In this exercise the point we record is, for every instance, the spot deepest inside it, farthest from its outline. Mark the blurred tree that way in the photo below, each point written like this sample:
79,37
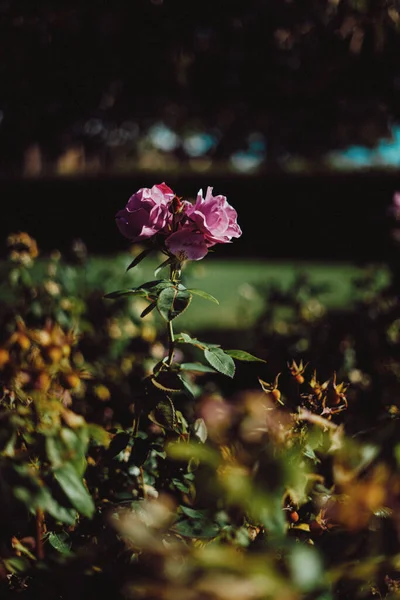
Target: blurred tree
306,76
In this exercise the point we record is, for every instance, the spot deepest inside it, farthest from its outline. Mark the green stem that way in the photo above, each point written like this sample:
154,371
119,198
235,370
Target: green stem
170,343
175,275
175,272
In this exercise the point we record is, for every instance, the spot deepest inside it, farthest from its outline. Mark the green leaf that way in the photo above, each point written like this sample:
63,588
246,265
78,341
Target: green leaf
186,339
54,451
16,565
172,302
148,309
118,443
19,548
221,361
156,286
192,513
203,294
180,486
139,258
69,447
8,438
98,435
140,451
164,415
196,368
188,388
28,489
60,513
73,487
183,424
167,262
200,429
309,452
60,542
130,292
200,528
193,450
245,356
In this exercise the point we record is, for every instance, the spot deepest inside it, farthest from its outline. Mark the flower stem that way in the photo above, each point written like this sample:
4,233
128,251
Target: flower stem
170,343
175,272
175,275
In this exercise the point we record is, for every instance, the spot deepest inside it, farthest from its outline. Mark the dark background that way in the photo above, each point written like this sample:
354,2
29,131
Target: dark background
81,85
309,75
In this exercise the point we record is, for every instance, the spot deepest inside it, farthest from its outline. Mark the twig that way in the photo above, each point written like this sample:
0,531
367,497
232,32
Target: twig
306,415
39,534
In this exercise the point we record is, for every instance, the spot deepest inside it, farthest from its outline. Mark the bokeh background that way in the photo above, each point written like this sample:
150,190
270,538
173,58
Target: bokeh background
291,109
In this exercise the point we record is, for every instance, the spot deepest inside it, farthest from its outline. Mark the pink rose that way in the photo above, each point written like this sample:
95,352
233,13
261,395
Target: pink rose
146,213
187,244
214,217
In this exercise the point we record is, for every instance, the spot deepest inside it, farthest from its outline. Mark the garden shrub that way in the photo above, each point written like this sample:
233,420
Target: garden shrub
130,469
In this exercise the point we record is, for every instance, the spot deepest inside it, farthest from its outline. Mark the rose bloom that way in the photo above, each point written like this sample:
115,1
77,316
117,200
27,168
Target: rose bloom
146,213
187,244
214,217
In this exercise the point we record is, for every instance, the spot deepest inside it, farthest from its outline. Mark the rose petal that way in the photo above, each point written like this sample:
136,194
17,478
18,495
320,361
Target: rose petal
187,244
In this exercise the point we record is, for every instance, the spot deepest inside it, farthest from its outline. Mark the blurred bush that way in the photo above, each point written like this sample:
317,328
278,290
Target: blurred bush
280,483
